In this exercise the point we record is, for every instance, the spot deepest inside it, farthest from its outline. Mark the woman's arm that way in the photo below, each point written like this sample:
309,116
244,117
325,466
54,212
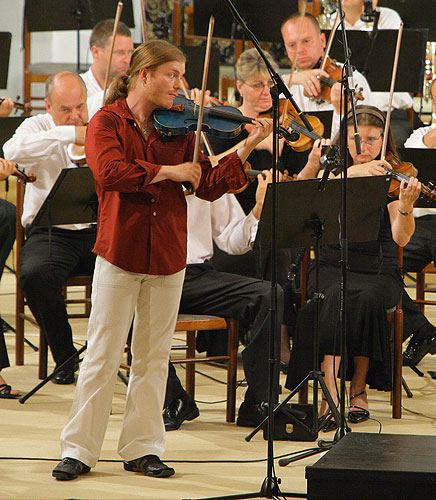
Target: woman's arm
401,212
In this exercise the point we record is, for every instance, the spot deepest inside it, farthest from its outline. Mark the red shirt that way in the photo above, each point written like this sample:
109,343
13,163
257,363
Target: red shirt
142,226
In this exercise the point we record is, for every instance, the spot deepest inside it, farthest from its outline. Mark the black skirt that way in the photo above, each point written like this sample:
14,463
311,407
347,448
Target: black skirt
369,296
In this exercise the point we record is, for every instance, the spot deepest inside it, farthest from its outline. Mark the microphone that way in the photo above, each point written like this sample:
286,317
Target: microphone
368,14
328,161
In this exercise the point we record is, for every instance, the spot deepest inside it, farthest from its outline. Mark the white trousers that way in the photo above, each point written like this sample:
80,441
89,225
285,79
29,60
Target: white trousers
117,296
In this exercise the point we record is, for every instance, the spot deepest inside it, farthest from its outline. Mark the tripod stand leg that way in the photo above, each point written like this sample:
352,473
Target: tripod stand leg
9,328
54,372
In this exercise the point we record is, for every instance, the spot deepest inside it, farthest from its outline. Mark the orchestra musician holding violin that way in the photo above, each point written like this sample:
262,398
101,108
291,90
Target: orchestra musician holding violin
141,257
313,88
48,258
374,283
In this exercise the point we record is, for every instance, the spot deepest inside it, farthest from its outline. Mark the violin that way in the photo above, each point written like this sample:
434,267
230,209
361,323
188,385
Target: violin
222,121
26,107
403,170
22,176
335,74
252,175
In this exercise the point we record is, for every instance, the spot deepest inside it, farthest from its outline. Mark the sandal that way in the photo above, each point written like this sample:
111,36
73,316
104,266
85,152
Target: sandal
327,424
359,415
5,392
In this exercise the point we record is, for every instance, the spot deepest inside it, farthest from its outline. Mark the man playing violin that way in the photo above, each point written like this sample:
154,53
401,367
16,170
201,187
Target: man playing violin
39,146
420,251
100,44
306,86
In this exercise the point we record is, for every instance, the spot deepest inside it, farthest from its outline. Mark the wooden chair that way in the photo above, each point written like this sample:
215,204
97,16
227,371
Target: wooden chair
395,320
21,314
422,288
192,324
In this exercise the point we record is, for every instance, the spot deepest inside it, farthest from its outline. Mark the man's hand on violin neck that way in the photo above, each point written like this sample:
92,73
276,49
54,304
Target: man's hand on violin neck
309,78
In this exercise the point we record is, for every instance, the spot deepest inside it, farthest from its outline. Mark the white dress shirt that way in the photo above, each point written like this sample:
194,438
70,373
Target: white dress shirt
416,141
40,147
92,86
222,221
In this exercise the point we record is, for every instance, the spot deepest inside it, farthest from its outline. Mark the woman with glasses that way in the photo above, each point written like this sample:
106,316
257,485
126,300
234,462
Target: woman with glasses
374,283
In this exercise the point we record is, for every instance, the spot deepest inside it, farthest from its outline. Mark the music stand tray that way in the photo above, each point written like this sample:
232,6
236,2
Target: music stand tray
300,202
72,200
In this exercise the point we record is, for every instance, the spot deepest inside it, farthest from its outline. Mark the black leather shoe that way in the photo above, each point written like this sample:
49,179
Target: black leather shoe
417,348
66,376
178,411
150,465
250,414
69,469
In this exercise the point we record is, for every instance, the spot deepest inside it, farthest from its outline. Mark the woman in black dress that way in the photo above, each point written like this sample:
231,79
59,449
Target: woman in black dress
374,283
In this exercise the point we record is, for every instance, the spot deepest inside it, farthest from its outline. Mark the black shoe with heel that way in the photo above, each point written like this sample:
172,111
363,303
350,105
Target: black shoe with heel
359,415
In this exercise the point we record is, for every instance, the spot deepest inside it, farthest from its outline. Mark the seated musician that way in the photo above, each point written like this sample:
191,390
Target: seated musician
420,251
306,86
208,291
6,392
48,258
253,83
374,284
100,43
389,20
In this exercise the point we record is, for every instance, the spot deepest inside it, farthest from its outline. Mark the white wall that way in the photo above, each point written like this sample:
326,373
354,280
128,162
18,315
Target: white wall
54,46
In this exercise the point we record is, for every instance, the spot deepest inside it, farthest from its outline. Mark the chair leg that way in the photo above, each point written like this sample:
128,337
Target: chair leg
42,368
397,364
190,367
232,349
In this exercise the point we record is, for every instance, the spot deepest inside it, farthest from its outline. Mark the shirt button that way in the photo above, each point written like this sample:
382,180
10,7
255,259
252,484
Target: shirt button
153,200
154,214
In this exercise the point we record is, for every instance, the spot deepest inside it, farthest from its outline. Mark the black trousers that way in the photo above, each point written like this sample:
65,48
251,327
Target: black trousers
46,263
4,360
207,291
420,251
7,231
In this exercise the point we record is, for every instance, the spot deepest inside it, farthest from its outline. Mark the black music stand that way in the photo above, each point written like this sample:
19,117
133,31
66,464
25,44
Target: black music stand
52,15
308,216
72,200
5,49
264,18
194,67
410,72
425,161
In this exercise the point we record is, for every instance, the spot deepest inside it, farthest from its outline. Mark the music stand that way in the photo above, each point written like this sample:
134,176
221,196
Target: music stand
420,14
194,67
312,218
5,49
73,15
72,200
410,72
264,18
424,160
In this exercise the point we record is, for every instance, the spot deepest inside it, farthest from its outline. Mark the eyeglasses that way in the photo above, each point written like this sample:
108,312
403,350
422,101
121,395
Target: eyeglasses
370,141
122,53
260,85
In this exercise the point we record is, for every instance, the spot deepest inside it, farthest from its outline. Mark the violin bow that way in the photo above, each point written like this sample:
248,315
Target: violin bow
114,32
330,41
144,21
203,89
391,92
294,63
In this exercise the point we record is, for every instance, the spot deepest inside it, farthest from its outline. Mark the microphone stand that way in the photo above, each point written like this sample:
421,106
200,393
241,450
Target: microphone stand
372,36
348,92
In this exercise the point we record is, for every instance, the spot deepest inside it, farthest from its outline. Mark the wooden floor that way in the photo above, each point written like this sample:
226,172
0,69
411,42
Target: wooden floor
211,457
